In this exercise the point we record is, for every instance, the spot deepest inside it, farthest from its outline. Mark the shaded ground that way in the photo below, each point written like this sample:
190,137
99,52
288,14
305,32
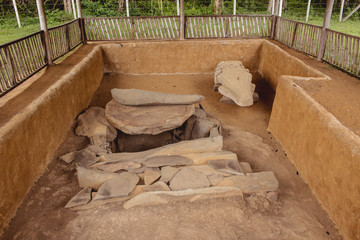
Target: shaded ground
296,214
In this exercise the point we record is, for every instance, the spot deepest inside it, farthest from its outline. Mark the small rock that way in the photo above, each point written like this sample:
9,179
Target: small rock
167,173
256,97
117,166
202,128
272,196
227,100
188,178
189,126
93,178
151,176
119,186
215,179
69,157
172,160
226,165
134,97
199,113
253,182
158,186
81,198
97,150
214,132
245,166
85,158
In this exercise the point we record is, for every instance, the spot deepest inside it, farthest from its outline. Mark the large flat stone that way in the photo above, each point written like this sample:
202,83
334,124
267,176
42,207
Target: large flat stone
167,173
233,80
93,178
93,123
253,182
117,166
119,186
136,97
166,160
226,165
85,158
81,198
151,176
203,145
158,186
164,197
202,128
147,119
188,178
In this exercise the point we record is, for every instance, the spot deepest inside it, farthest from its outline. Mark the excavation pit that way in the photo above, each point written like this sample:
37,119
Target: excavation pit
186,68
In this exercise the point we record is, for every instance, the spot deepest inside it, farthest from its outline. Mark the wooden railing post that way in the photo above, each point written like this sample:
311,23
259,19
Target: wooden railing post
273,26
294,35
43,26
10,64
227,27
182,20
82,30
323,38
67,36
132,28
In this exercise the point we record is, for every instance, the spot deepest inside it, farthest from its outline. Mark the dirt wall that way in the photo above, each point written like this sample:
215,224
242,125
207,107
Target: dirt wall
29,138
179,56
324,151
275,62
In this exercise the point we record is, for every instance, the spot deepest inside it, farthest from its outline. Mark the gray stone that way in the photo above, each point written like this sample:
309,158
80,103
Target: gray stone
151,176
93,122
199,113
214,132
253,182
97,150
233,80
147,119
189,126
85,158
202,128
188,178
204,145
69,157
135,97
93,178
167,173
158,186
226,165
143,169
117,166
119,186
207,170
215,179
166,160
191,195
245,166
81,198
202,158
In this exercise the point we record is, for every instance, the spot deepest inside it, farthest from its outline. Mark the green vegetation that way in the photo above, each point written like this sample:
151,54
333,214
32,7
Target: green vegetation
56,14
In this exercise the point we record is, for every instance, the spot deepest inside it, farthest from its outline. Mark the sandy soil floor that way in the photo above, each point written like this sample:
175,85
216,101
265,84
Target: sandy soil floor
295,215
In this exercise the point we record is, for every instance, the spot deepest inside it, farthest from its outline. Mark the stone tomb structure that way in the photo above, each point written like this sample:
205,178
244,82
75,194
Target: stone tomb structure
188,159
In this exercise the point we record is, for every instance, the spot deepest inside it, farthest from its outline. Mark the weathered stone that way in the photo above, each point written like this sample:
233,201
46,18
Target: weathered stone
136,97
166,160
188,178
167,173
233,80
137,190
97,150
93,178
158,186
228,100
245,166
253,182
199,113
272,196
69,157
142,142
100,141
85,158
117,166
119,186
81,198
215,179
256,97
93,122
143,169
214,132
151,176
207,170
164,197
226,165
202,158
203,145
189,126
202,128
147,119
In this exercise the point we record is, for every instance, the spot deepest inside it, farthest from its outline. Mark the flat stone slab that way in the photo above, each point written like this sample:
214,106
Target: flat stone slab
166,160
226,165
233,80
158,186
150,176
167,173
119,186
253,182
81,198
69,157
147,119
191,195
117,166
85,158
188,178
93,178
136,97
93,123
202,128
205,146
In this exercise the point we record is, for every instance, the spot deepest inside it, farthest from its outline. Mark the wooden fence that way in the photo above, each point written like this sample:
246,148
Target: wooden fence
239,26
22,58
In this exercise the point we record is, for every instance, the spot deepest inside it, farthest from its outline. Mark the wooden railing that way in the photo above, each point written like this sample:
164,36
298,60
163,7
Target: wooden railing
239,26
343,51
22,58
132,28
64,38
